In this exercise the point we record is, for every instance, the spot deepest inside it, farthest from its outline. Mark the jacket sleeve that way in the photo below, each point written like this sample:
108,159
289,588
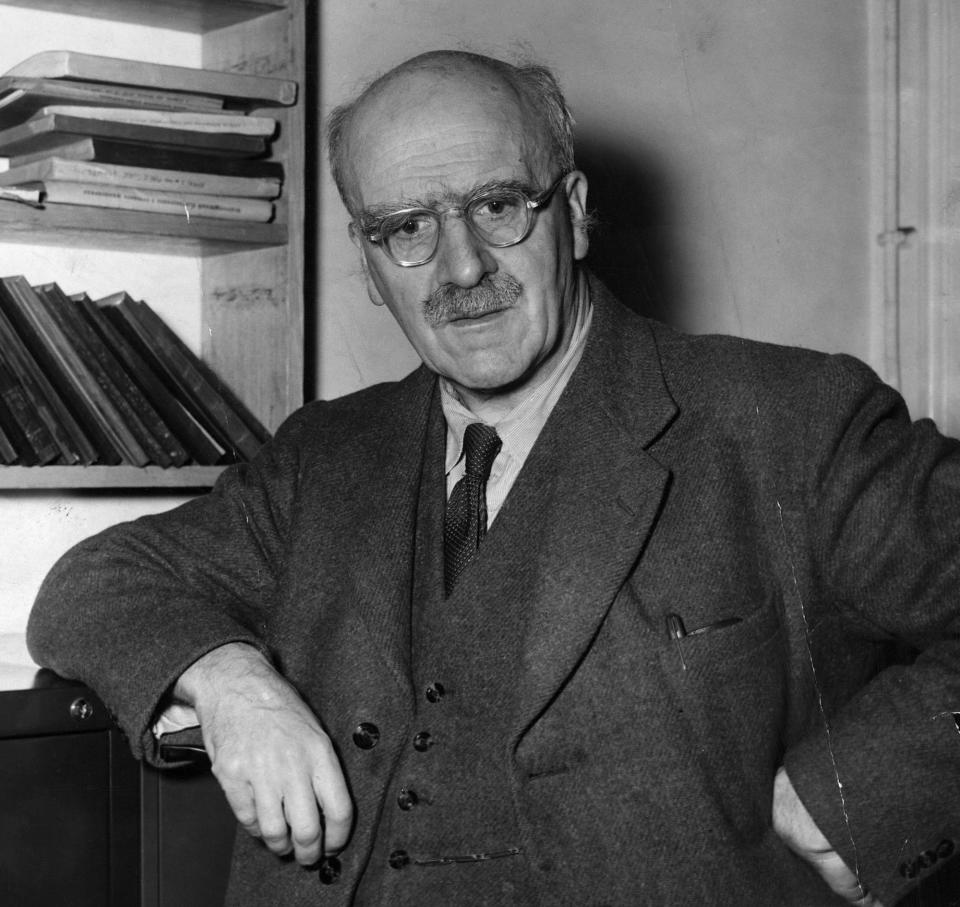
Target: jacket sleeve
881,526
128,610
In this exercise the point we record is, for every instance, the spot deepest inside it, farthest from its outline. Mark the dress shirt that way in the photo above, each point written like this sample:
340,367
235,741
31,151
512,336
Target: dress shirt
520,428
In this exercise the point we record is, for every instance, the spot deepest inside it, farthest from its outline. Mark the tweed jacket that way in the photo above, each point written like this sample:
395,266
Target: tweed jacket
729,556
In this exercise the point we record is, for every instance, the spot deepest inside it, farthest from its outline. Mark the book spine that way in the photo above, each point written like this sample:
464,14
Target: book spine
172,452
147,179
217,416
137,414
23,452
105,94
41,132
107,320
8,451
215,207
74,443
158,157
135,443
97,68
101,416
38,437
234,123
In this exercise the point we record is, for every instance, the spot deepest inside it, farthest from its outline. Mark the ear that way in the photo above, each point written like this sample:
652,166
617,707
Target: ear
372,290
576,192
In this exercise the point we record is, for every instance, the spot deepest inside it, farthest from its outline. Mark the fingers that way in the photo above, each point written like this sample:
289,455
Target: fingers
799,831
275,763
337,809
291,809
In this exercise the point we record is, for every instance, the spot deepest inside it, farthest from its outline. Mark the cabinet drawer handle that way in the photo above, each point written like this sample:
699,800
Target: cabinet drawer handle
81,710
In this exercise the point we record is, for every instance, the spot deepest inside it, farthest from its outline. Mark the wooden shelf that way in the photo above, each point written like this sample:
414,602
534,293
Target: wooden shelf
39,478
196,16
250,297
163,234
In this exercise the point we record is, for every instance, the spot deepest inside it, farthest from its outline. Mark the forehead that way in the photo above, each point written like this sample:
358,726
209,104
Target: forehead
429,135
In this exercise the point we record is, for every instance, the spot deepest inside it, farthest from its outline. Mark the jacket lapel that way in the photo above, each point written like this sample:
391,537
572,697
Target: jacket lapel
605,496
384,573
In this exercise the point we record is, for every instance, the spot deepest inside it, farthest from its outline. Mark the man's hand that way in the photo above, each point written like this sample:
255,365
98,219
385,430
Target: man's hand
800,833
274,762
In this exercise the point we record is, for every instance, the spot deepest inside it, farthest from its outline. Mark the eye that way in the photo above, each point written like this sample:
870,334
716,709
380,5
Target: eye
497,207
408,226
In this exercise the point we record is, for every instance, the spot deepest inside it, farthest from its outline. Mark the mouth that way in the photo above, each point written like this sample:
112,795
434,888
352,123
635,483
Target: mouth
477,316
451,304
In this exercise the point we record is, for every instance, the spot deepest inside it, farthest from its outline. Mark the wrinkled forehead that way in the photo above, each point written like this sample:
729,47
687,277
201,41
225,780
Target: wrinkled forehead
436,133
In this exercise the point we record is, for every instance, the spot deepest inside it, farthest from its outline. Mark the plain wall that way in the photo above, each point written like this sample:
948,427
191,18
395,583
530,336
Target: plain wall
727,147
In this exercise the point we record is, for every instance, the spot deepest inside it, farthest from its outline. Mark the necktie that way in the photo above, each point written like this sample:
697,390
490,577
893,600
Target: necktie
465,519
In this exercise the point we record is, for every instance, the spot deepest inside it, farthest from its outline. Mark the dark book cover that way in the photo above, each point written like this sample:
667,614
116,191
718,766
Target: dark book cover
35,433
204,446
68,372
192,441
53,408
43,132
9,453
104,151
165,352
141,418
23,452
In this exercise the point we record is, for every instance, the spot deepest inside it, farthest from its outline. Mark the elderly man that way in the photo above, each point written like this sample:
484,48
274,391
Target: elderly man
583,611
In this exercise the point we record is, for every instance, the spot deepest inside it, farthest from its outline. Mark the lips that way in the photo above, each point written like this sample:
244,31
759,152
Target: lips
475,316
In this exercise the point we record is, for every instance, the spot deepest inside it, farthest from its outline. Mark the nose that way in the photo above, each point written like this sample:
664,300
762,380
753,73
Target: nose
462,258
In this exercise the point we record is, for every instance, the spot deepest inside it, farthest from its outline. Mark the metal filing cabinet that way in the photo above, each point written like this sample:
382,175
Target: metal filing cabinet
83,823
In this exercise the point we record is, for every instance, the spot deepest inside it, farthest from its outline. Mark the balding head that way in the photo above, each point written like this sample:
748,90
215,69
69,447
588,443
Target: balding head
445,81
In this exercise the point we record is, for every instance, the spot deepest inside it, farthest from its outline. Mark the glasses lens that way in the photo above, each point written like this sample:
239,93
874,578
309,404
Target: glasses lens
411,237
499,217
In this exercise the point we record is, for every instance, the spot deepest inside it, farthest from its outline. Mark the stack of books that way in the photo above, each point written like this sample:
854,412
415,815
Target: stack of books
82,129
108,382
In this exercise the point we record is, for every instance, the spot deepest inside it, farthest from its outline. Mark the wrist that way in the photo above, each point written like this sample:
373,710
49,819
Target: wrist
220,670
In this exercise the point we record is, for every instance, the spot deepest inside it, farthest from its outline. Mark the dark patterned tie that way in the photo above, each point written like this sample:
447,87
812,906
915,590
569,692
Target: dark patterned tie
465,519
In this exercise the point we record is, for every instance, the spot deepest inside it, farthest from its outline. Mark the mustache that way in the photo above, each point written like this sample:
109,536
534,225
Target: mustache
495,291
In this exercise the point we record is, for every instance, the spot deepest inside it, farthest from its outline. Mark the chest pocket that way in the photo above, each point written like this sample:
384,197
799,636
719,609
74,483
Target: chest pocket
721,642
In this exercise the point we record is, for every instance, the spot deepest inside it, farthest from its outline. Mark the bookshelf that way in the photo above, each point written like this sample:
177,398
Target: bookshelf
251,274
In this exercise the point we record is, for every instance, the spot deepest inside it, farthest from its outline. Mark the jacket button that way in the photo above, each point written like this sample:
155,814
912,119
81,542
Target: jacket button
398,859
422,741
407,799
945,848
366,735
435,691
329,870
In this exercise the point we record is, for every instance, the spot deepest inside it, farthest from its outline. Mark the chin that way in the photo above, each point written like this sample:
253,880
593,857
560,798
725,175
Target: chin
493,382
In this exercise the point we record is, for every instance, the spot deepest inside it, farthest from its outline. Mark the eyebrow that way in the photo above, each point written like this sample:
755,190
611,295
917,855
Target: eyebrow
378,212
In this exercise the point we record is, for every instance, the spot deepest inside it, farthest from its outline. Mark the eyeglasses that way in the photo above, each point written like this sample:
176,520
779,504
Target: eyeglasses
499,216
